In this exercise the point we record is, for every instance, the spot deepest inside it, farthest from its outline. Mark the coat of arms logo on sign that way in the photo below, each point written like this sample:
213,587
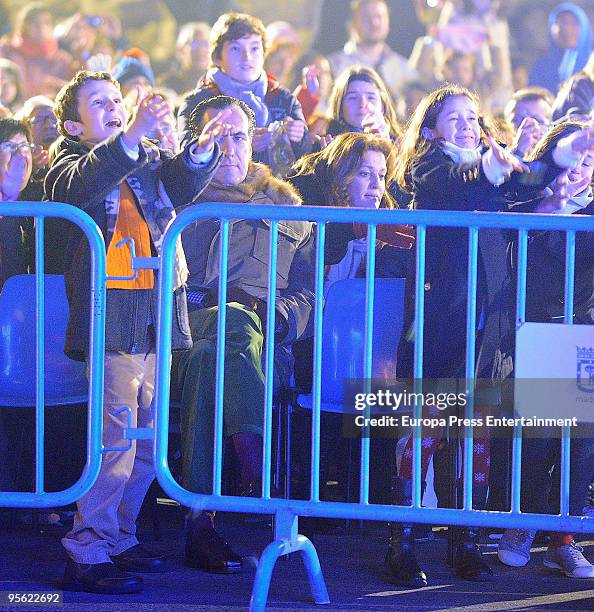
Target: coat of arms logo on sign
585,369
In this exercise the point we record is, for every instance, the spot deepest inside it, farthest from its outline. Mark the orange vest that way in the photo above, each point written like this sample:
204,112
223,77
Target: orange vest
129,223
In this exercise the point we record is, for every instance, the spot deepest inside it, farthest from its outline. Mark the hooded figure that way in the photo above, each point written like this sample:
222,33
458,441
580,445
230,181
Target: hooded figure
571,44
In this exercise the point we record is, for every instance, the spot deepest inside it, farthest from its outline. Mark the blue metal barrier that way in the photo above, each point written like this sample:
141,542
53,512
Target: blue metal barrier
287,510
40,498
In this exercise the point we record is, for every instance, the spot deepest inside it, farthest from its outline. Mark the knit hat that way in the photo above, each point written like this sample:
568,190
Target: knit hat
129,67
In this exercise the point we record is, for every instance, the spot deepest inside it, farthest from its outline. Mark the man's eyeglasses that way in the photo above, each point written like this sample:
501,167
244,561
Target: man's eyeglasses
12,147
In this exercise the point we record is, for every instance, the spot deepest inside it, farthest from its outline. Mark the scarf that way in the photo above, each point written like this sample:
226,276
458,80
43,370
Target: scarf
349,265
251,93
567,64
157,211
460,155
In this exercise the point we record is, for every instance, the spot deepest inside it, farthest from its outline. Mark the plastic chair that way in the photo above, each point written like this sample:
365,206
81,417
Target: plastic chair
343,344
343,337
65,379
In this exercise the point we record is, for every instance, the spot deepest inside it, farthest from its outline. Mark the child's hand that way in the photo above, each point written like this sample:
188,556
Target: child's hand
528,134
262,139
151,110
560,196
505,158
214,129
564,189
323,140
294,129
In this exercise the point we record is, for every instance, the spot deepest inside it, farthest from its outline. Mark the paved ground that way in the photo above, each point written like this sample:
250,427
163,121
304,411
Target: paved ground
32,559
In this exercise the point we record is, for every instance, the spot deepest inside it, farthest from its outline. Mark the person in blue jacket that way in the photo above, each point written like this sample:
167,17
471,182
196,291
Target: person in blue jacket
571,44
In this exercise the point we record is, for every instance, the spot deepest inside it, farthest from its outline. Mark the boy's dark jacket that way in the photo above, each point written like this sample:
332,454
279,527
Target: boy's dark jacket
85,178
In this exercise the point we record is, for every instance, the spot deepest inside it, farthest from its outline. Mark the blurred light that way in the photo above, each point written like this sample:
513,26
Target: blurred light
432,3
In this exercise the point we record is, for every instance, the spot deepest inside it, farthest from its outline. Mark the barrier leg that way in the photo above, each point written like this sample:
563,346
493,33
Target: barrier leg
314,571
286,540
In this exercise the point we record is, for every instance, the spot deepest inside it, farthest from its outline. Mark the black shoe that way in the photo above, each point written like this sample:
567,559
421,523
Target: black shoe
469,562
139,559
103,578
206,550
400,559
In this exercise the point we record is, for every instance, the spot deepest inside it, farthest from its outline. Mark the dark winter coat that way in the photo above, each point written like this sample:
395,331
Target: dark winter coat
86,177
248,250
439,183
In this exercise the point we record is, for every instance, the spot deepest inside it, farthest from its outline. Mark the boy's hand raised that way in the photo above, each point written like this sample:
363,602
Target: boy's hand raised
505,158
150,111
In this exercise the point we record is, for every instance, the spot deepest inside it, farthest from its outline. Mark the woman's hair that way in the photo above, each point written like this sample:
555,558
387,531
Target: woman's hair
362,73
552,137
337,164
413,144
9,127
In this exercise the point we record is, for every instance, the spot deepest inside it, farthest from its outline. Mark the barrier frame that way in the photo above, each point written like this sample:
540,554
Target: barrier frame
40,211
286,511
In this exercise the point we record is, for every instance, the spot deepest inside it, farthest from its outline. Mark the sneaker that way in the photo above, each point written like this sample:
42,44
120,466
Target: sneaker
570,560
514,547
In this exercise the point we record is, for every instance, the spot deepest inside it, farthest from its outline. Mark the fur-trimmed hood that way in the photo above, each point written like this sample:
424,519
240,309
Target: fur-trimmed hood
259,187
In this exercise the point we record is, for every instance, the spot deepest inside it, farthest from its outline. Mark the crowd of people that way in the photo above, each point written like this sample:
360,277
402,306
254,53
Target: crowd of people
88,121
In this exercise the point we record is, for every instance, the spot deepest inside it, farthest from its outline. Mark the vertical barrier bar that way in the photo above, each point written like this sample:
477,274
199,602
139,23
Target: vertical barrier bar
470,364
516,482
40,359
367,360
569,277
163,354
317,364
568,320
269,359
522,267
418,361
220,375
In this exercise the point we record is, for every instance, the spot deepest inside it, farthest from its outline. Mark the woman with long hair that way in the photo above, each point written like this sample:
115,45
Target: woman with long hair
354,170
360,102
